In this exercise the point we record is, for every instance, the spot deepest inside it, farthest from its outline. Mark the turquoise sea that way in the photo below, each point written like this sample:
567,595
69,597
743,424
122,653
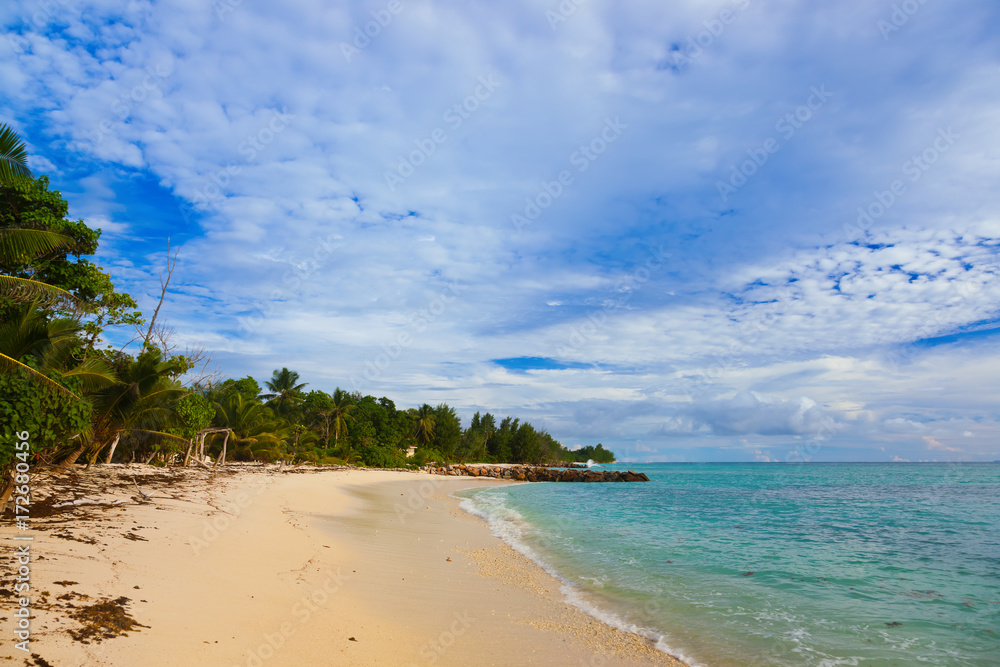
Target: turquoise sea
776,564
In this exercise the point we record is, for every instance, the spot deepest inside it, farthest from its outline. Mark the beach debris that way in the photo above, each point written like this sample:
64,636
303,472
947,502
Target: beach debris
351,639
40,661
448,559
145,496
104,620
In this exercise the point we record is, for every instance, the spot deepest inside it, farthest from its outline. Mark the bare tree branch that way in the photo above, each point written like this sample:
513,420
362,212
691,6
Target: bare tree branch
164,284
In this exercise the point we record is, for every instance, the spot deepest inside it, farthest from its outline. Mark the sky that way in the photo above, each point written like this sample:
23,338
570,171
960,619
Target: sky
726,230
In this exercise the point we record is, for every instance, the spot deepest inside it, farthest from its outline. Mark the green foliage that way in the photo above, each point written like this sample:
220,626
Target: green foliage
500,445
447,430
423,423
258,434
286,390
50,417
31,205
13,156
247,388
379,455
195,412
525,446
425,455
590,453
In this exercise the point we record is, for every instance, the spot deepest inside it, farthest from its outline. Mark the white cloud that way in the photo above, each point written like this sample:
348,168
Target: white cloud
766,319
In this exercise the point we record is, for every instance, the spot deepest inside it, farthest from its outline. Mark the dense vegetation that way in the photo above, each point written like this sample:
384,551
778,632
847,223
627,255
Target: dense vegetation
79,400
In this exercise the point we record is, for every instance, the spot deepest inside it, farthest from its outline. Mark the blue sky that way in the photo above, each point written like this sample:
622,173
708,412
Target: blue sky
730,230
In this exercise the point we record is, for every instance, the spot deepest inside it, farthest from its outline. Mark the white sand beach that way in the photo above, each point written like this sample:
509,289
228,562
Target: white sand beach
251,568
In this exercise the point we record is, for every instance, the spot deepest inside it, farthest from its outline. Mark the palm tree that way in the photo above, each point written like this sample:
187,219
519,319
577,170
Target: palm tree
13,156
423,423
257,434
31,341
285,391
141,401
340,413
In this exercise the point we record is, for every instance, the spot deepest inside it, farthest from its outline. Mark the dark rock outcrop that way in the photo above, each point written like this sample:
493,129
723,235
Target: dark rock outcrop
538,473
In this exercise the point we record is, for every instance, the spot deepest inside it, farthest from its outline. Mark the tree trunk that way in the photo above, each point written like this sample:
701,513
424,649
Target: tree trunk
187,454
149,458
73,456
114,445
8,490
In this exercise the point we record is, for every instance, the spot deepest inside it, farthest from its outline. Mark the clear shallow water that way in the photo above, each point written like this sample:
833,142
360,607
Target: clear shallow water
852,564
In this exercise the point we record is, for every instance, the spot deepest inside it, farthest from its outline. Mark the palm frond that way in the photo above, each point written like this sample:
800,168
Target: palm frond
24,290
18,242
93,374
169,436
10,364
13,156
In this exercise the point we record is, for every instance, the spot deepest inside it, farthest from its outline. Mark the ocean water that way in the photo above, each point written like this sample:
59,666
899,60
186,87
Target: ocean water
775,564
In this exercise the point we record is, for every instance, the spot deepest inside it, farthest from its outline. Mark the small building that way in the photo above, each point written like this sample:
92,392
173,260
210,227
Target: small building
411,450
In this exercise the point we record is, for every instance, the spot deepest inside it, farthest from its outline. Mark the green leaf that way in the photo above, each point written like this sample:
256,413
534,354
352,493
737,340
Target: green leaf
13,156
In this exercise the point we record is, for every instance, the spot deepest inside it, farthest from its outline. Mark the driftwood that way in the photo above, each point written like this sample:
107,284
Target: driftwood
201,446
222,456
202,463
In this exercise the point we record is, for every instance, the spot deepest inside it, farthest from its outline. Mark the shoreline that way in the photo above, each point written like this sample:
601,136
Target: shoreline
314,566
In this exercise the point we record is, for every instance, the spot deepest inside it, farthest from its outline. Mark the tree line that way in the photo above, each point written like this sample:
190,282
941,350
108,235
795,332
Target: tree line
85,402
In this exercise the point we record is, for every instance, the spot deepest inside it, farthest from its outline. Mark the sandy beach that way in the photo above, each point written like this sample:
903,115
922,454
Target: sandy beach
260,567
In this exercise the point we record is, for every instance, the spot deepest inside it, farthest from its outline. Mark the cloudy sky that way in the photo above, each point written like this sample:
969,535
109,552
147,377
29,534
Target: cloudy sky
693,231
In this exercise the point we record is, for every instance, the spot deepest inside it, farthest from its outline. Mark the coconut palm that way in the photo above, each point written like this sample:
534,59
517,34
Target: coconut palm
423,423
257,433
141,401
13,156
286,390
340,413
31,342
